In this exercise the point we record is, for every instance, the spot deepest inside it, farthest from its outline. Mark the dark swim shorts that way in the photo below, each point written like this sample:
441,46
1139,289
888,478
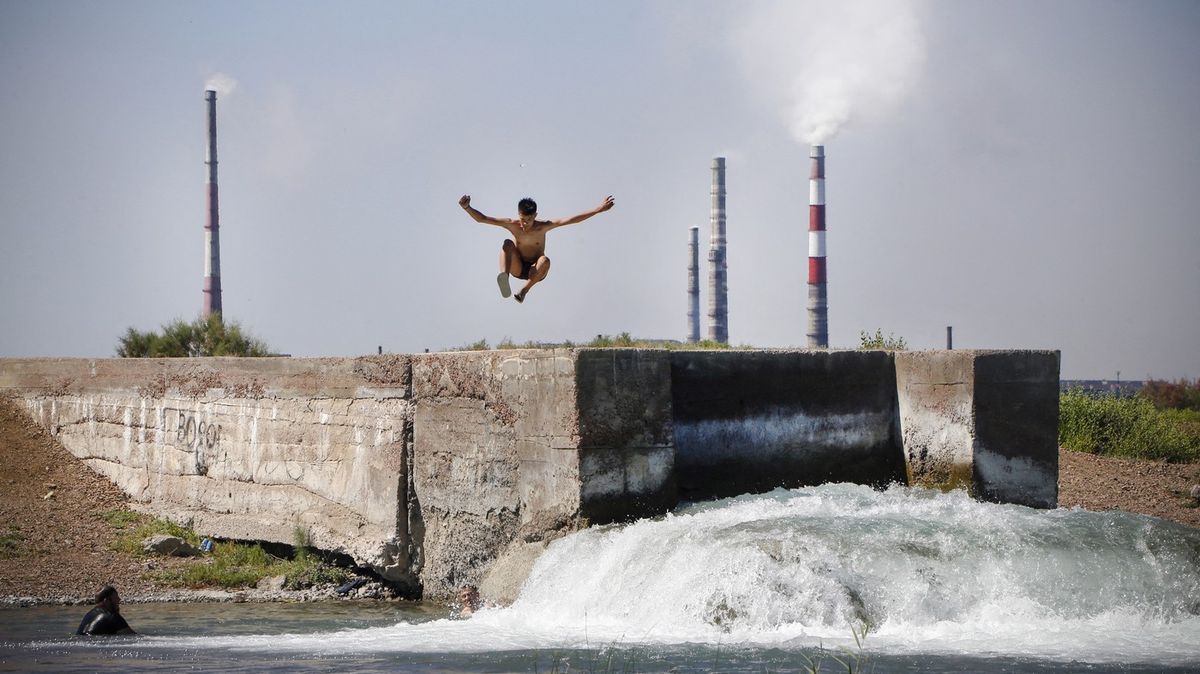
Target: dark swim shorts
526,267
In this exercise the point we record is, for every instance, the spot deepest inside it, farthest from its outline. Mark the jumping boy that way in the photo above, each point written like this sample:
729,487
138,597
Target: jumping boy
524,255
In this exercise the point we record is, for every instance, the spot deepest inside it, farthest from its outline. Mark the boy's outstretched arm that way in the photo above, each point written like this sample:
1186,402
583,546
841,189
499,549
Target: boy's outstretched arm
465,202
604,206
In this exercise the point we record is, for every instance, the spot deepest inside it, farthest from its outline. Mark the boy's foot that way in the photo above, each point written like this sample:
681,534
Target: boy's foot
502,281
520,297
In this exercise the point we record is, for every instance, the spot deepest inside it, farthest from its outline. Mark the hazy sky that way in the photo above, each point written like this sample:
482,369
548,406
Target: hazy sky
1027,172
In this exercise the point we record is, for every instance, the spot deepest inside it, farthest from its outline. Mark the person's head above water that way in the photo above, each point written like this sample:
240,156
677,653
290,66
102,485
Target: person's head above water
527,207
468,596
109,599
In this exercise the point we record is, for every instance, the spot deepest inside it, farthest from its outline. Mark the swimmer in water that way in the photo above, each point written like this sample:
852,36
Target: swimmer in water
468,596
524,255
105,617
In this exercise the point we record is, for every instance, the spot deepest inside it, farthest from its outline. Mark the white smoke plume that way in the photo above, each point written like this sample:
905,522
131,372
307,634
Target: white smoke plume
828,64
221,83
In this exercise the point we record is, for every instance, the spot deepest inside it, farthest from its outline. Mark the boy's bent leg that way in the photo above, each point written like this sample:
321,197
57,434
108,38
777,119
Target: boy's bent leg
536,275
508,255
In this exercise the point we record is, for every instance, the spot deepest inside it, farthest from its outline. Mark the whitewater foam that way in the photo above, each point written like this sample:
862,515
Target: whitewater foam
925,571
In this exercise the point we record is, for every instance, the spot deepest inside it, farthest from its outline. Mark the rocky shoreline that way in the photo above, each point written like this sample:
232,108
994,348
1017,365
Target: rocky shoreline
371,591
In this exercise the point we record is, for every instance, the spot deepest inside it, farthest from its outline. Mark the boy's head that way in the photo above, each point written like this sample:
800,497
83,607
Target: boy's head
527,207
108,598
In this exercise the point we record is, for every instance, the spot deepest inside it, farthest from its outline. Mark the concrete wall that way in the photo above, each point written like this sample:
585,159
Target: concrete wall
750,421
514,447
443,469
252,448
983,420
425,468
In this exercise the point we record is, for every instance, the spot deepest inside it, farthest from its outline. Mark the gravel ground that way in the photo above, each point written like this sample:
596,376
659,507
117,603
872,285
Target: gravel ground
51,505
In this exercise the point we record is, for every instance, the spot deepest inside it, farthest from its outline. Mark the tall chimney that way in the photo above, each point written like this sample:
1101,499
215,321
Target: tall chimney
718,286
212,239
818,308
694,284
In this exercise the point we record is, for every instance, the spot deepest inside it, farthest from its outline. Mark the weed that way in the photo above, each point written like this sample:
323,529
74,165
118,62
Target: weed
301,537
12,544
120,519
878,341
481,345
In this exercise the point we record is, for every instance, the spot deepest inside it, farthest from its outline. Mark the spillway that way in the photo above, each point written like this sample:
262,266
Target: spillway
931,575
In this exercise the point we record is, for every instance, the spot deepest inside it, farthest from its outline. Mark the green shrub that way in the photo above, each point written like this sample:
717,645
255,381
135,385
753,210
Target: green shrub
1128,427
210,336
878,341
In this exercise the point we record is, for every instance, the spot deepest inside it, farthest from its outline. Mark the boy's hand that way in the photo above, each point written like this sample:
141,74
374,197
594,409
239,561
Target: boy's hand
465,202
608,203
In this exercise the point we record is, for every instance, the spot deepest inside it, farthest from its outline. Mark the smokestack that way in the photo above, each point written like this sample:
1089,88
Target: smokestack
694,284
818,308
718,286
212,239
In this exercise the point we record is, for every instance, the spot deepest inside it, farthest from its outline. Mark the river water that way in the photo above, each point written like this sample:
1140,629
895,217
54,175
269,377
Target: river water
755,583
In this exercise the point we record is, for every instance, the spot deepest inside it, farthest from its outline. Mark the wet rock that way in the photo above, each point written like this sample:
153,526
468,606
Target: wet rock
169,545
271,583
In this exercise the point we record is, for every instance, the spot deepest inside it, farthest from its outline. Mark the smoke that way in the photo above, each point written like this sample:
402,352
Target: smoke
221,83
827,65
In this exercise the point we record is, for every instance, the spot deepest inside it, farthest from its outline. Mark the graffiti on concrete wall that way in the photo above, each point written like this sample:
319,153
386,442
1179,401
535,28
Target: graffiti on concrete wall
200,437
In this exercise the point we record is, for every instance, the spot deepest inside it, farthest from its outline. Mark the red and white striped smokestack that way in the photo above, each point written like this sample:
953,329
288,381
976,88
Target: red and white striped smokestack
212,239
818,307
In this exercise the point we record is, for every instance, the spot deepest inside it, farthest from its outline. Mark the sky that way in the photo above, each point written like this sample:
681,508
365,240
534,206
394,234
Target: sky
1026,172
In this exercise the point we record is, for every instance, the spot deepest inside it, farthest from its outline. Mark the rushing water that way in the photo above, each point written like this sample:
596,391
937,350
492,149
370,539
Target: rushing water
754,583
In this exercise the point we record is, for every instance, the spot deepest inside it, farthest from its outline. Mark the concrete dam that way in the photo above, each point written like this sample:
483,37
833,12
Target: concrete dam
441,469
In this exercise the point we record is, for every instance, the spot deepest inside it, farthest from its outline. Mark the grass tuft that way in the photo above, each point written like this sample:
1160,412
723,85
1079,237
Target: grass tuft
239,565
12,544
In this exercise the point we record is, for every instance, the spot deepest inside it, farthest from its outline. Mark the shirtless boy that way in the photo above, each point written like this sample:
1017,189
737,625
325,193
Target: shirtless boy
524,255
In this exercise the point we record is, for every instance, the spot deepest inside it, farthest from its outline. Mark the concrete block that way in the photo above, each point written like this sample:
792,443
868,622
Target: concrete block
986,421
937,421
1016,427
752,421
626,454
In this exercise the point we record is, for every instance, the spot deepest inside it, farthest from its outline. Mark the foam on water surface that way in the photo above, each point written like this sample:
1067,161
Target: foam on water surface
925,571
